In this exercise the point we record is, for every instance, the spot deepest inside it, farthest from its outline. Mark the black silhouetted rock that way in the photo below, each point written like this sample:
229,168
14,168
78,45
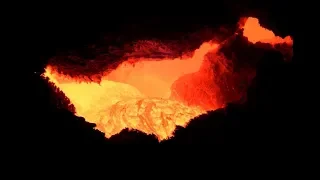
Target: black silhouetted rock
127,136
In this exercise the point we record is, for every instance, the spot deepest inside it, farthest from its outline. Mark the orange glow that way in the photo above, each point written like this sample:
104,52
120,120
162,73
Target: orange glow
149,95
256,33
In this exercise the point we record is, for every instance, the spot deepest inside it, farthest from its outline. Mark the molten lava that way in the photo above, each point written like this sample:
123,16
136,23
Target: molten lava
134,96
141,95
256,33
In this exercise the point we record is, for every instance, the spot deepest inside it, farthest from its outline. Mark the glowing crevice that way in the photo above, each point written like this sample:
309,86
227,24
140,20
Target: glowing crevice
139,96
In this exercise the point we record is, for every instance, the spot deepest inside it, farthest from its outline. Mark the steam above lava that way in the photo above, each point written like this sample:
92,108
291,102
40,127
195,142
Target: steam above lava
154,95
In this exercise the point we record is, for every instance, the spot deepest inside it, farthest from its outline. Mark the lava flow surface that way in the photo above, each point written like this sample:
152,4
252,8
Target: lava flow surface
154,95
